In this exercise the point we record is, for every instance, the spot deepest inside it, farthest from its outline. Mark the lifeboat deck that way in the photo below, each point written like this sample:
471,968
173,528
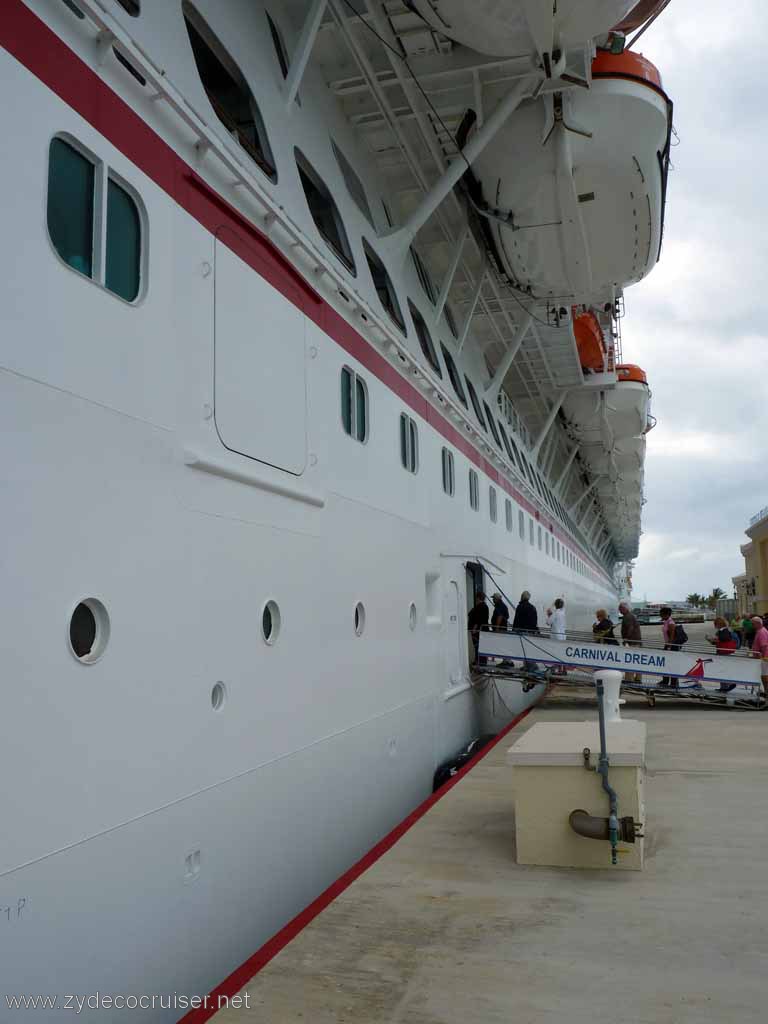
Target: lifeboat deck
446,927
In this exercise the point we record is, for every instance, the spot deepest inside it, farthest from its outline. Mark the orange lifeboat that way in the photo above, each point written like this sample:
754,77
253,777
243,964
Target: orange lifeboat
589,341
629,65
628,371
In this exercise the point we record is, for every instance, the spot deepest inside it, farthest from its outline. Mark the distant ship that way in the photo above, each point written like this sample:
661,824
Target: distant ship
311,332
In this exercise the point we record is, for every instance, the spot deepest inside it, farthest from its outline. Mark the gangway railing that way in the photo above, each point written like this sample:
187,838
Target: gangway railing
693,661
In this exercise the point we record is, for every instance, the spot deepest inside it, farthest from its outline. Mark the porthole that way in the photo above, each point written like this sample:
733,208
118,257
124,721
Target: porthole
413,617
270,622
89,631
218,696
359,618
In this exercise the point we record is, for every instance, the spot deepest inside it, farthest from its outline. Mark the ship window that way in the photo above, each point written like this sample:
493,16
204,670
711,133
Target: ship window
453,373
228,92
474,490
492,506
505,439
133,7
425,340
123,257
492,425
409,444
424,276
521,524
89,631
384,287
128,66
354,405
70,205
280,49
74,8
508,513
353,183
530,531
76,190
449,485
450,319
546,543
475,402
324,212
539,538
270,622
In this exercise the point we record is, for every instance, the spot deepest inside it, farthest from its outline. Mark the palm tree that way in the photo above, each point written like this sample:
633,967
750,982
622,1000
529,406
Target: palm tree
695,599
714,597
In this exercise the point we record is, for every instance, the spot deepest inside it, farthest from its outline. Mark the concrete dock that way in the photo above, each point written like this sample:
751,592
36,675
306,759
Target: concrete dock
446,928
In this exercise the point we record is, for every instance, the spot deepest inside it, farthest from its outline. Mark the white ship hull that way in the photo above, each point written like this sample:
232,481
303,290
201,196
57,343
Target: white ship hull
153,841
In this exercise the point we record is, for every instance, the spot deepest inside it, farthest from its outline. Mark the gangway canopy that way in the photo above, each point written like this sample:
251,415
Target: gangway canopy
579,653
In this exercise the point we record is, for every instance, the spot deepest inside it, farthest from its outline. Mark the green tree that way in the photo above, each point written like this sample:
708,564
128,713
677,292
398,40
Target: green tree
714,597
695,599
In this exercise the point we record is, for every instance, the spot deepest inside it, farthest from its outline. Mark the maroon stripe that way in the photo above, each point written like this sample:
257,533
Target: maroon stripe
27,38
243,974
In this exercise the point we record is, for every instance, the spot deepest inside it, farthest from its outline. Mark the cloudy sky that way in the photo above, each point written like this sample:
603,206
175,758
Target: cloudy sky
698,324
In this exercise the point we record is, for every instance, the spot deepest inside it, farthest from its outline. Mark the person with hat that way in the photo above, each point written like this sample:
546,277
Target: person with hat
500,616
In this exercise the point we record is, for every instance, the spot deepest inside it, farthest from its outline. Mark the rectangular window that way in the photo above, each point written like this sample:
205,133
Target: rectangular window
546,543
508,512
492,509
409,444
354,405
540,539
521,524
530,531
353,183
448,475
93,222
474,490
558,552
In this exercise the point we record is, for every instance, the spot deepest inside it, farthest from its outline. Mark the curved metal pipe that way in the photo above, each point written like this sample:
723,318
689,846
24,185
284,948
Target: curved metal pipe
592,827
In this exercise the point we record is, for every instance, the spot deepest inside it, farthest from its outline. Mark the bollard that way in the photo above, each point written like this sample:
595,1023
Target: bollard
611,680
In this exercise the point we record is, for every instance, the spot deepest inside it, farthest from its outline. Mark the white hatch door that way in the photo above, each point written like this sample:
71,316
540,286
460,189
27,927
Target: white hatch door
260,368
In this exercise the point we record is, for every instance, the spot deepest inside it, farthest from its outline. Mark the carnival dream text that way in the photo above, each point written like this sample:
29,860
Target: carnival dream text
616,657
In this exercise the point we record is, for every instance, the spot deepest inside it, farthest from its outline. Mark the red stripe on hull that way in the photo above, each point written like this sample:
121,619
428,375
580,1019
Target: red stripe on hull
27,38
240,977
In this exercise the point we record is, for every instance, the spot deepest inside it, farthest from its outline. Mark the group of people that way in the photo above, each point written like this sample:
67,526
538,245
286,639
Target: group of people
525,620
749,631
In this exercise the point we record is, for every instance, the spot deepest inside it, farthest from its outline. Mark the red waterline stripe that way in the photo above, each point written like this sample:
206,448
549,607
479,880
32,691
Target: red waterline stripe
247,971
27,38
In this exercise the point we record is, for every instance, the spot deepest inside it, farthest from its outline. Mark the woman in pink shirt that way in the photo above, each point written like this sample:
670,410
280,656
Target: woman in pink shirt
760,650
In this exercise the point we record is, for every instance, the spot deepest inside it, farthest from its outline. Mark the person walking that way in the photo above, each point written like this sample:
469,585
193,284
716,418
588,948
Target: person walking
476,620
500,617
603,628
631,636
557,628
760,650
668,627
725,643
526,617
747,632
736,629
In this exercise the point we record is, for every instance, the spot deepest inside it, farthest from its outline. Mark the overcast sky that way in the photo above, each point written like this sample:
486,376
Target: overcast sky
698,323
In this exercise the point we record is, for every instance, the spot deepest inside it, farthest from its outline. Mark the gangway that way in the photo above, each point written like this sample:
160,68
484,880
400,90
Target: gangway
692,672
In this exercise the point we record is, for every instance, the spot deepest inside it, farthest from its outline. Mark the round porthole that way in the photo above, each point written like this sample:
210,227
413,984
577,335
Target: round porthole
270,622
359,618
89,631
412,616
218,696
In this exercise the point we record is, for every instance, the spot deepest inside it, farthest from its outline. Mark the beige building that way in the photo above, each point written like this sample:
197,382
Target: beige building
751,586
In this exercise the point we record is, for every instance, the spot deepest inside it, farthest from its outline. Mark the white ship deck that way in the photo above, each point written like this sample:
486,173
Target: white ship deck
447,928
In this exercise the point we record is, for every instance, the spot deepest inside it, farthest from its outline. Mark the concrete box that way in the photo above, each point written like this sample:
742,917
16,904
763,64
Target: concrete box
550,781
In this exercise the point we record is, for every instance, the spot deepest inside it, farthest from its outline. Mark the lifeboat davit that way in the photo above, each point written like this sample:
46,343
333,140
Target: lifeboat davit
506,28
580,188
